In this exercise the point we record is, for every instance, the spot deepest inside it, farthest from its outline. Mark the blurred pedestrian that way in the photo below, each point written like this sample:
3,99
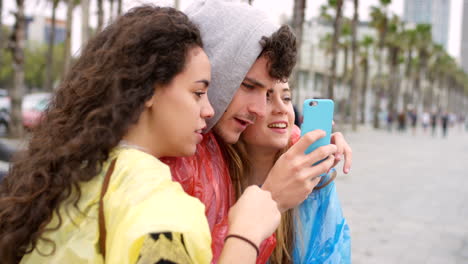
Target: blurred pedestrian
425,119
401,121
390,119
434,123
445,119
413,115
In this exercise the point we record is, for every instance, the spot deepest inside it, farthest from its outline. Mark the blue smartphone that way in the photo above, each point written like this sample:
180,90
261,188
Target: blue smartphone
318,114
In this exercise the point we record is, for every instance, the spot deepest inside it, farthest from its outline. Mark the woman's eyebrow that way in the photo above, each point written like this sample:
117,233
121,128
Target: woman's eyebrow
205,82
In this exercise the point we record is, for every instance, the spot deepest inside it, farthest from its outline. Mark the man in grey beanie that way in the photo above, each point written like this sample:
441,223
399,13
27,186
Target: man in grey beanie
248,55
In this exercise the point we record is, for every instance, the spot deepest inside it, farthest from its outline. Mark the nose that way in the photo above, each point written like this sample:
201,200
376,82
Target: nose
278,106
257,104
207,110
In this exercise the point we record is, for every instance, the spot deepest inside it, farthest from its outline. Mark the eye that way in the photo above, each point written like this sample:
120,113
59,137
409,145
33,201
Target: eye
199,94
287,99
248,86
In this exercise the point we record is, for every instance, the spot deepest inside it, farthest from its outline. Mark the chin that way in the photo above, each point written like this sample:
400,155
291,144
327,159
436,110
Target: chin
279,144
229,137
187,151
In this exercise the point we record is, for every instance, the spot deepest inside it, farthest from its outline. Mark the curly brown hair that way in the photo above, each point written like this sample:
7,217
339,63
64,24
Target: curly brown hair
281,51
102,95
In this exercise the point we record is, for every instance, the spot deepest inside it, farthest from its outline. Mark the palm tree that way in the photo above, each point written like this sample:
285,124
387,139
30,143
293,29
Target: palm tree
16,45
366,43
354,86
84,21
380,23
119,7
111,10
423,46
409,42
297,25
448,70
100,14
394,45
67,46
337,5
48,83
439,62
344,43
325,45
1,31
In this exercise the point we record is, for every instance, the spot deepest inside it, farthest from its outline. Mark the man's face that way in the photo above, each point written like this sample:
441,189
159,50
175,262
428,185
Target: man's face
248,103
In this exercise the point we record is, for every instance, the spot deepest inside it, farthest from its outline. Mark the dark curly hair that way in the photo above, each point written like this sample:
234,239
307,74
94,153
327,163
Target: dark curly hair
102,95
281,50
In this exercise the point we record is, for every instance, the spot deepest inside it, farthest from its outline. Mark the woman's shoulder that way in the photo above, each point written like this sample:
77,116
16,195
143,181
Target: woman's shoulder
146,183
133,162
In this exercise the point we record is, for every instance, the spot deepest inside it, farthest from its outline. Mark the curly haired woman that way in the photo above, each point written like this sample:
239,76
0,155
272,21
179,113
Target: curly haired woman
90,187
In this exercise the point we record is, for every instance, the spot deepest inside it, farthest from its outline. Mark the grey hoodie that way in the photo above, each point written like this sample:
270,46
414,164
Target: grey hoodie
231,34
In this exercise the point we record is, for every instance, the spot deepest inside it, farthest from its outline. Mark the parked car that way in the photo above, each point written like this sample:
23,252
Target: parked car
5,102
33,108
4,122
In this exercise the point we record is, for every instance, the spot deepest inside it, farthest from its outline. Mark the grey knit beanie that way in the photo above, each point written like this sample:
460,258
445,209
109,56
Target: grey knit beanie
231,34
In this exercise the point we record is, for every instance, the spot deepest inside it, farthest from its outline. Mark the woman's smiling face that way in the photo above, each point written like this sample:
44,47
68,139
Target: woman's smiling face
273,130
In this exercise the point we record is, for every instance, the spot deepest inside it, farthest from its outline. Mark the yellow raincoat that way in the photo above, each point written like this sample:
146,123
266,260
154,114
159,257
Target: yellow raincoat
141,199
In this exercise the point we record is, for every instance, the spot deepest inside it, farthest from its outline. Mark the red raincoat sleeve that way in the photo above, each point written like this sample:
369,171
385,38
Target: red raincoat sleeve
206,177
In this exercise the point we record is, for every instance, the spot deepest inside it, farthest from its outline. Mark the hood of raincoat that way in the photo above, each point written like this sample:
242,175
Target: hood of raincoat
231,34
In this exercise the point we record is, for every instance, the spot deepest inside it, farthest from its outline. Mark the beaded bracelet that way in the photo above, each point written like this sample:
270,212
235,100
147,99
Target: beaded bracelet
244,239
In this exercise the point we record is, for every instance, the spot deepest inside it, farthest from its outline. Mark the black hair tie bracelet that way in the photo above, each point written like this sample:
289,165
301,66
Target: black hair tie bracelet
244,239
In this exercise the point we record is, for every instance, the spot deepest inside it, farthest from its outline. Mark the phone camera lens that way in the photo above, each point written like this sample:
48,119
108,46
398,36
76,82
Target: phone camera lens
313,103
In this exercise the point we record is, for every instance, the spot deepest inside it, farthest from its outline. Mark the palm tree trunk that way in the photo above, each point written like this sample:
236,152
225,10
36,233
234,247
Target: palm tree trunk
100,14
48,83
1,32
111,13
345,64
377,94
354,78
378,84
334,49
431,95
84,22
417,84
297,25
394,80
67,46
119,7
409,87
365,82
17,48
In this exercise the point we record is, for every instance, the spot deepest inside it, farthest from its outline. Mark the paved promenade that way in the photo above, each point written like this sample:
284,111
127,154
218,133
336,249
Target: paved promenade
406,198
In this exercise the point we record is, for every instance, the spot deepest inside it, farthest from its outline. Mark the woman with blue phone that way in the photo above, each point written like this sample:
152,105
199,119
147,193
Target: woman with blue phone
316,231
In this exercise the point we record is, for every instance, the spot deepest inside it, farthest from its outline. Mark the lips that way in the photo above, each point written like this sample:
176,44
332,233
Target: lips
279,124
199,133
244,122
